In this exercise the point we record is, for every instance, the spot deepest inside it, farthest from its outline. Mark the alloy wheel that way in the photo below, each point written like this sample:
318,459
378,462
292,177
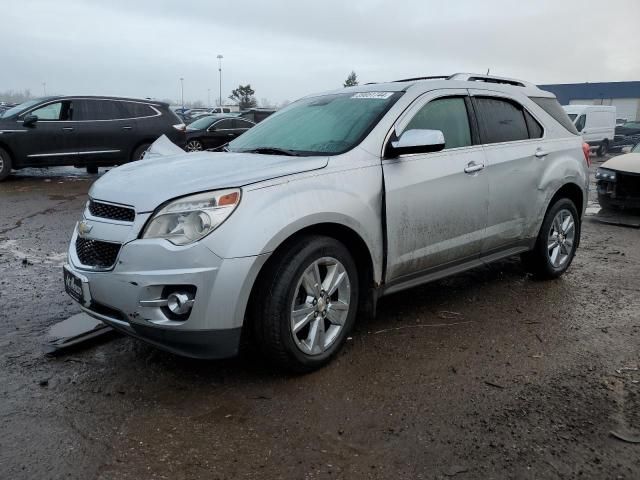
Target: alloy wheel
194,146
320,306
561,238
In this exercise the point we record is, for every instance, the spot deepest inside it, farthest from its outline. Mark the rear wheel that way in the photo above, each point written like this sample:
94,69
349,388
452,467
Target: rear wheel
194,146
140,152
603,149
5,164
557,241
306,304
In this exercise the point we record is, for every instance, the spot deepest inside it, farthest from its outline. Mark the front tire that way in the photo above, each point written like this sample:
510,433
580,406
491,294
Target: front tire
605,203
306,304
556,243
5,164
92,170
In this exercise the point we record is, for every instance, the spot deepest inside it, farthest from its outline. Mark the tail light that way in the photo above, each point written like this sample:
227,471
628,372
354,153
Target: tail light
181,127
587,153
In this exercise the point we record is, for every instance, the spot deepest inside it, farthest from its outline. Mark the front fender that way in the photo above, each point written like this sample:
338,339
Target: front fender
268,215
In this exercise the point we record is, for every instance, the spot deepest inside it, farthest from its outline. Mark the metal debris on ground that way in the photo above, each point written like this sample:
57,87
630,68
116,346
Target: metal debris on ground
74,332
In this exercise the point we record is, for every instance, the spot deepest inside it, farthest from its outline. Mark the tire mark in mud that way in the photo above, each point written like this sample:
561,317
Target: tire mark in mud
46,211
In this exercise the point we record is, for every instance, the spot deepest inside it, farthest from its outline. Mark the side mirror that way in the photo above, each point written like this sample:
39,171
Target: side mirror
29,120
416,141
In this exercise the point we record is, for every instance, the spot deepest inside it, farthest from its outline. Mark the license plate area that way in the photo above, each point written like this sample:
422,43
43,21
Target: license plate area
76,286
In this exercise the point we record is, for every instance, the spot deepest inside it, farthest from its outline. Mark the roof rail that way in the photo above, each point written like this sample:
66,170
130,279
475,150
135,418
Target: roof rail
434,77
473,77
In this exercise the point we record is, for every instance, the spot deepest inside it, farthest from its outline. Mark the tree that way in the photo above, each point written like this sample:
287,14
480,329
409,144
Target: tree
352,80
244,95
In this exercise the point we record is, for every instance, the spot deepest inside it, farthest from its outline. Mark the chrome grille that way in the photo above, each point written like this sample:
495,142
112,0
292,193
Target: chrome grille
96,253
112,212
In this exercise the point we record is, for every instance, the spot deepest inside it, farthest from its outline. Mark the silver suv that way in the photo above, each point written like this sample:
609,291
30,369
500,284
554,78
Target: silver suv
332,202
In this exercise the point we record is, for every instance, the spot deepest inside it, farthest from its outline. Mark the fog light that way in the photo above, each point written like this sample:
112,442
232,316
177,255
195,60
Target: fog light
179,303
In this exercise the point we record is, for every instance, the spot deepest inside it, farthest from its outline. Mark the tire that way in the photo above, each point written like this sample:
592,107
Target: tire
321,329
540,261
140,151
92,169
605,203
5,164
194,145
603,149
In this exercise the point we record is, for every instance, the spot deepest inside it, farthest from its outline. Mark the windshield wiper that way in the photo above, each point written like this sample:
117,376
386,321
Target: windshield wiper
272,151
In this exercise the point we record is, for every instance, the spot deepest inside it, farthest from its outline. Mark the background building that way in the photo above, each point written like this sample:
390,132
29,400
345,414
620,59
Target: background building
625,96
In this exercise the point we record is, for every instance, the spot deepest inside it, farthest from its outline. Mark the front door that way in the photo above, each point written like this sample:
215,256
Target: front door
50,140
436,203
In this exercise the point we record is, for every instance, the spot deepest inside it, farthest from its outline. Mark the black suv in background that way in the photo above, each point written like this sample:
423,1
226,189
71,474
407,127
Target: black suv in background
83,131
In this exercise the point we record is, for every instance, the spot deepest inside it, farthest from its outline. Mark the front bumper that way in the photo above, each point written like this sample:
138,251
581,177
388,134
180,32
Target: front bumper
143,272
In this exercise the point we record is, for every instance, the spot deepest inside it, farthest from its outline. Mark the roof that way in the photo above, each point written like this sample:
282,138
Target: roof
104,97
593,91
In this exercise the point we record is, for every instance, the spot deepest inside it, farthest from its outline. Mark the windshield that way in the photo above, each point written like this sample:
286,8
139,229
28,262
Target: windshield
632,125
201,123
19,108
572,116
325,125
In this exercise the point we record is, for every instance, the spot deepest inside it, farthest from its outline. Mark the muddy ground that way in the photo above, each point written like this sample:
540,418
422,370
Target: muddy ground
488,374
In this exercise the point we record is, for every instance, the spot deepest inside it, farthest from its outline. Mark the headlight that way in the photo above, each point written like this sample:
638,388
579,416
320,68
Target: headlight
604,174
188,219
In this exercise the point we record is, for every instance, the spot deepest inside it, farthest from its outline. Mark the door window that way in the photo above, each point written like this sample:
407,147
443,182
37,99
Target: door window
54,111
582,119
136,110
223,125
87,110
449,115
501,120
243,124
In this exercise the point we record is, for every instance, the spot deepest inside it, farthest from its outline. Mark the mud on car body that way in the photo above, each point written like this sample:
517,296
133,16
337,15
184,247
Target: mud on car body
329,204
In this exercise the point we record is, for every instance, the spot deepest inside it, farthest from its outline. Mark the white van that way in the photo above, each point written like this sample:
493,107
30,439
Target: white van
596,124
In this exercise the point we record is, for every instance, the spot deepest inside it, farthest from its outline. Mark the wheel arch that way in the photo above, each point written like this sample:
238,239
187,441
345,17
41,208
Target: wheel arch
354,243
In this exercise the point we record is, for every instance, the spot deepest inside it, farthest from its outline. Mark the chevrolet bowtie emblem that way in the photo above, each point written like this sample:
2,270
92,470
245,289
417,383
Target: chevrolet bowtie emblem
84,228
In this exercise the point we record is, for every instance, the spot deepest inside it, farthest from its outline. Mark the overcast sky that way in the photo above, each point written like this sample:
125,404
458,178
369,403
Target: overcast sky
287,49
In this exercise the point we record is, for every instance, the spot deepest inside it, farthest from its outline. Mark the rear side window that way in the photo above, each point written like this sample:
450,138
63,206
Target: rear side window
500,120
535,129
136,110
580,123
242,124
553,108
449,115
224,125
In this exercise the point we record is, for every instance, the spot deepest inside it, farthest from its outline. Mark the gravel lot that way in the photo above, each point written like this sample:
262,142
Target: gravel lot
488,374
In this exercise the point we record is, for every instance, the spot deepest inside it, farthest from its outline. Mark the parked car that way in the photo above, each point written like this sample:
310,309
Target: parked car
596,123
333,202
627,135
618,181
214,131
83,131
256,115
621,121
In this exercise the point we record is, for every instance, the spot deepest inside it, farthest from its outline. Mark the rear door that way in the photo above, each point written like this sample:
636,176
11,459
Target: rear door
240,125
104,133
436,203
51,140
517,152
220,132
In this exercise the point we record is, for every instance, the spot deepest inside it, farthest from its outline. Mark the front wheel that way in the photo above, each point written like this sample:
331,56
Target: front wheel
306,304
557,241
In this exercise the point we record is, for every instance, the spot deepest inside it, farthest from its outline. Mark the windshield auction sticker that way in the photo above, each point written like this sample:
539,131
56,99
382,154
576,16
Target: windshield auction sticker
374,95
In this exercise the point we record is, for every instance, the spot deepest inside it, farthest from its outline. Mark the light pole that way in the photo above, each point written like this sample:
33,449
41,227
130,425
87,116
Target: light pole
44,88
182,92
220,57
208,97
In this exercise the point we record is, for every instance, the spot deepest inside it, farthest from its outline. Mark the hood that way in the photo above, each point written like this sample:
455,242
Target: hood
629,162
146,184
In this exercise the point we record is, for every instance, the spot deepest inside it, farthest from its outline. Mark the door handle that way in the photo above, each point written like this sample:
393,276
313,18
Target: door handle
473,167
67,129
127,127
541,153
